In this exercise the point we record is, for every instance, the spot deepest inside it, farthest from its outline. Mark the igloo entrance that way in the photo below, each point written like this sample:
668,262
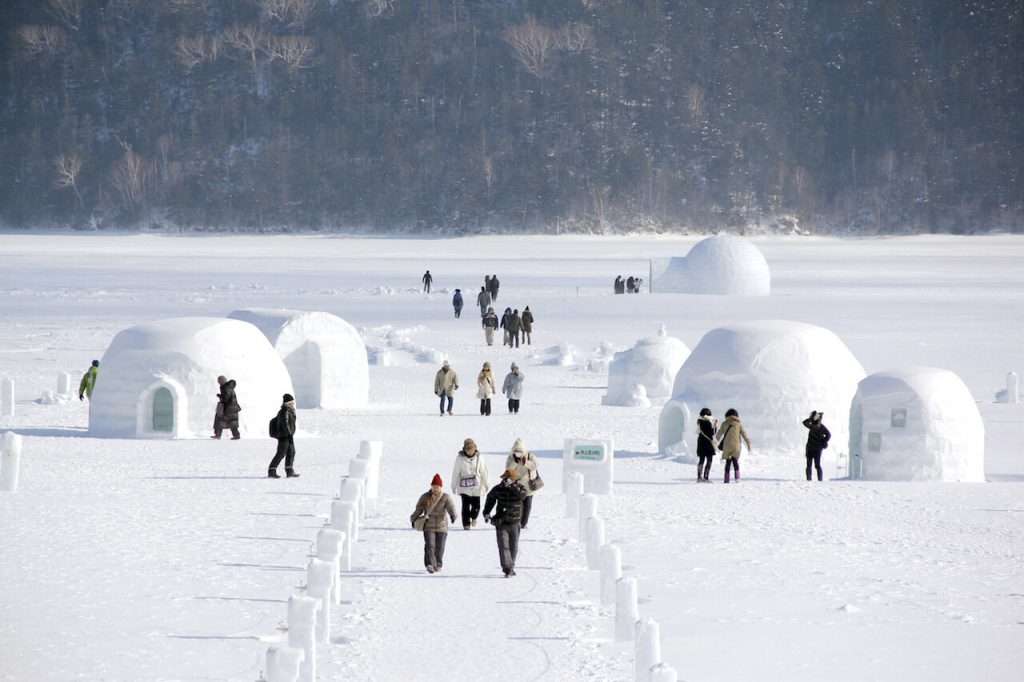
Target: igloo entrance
305,365
161,410
672,424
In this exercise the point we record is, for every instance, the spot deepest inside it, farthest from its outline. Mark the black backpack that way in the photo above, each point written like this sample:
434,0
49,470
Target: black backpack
273,428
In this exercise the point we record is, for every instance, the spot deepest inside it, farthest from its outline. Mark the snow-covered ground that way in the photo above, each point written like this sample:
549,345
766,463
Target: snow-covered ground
146,560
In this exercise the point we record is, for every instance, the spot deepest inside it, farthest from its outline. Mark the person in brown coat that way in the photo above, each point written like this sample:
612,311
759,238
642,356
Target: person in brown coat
730,442
527,320
435,507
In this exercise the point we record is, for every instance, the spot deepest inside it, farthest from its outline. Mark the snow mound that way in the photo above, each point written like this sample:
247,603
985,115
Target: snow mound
651,364
723,265
324,354
159,380
562,355
773,373
917,424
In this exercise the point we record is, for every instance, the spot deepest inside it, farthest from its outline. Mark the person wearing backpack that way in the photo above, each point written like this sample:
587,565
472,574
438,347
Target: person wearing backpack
506,499
818,437
431,515
469,481
730,442
282,427
707,427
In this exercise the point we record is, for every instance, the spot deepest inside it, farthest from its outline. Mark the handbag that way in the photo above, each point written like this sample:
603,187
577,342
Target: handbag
721,443
421,521
536,484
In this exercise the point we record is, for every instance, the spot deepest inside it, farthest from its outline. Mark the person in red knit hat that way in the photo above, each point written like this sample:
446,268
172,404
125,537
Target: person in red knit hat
433,511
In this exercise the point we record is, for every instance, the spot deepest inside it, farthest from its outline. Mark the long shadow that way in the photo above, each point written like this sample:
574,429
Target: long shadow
205,478
268,601
250,637
71,432
262,567
296,494
530,601
271,539
539,638
420,574
304,516
619,454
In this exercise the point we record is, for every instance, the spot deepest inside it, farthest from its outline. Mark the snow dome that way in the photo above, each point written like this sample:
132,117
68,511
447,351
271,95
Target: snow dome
773,373
652,364
723,264
159,380
324,354
918,424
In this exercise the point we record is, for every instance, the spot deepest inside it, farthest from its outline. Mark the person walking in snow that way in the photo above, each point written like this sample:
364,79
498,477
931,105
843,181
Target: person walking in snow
506,338
818,437
619,286
228,408
629,284
88,382
495,285
446,382
428,279
527,320
490,325
731,433
433,510
515,324
469,481
483,300
284,431
707,427
506,500
485,389
457,303
524,464
512,388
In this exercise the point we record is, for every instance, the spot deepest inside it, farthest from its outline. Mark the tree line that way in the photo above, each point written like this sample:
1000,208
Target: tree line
847,116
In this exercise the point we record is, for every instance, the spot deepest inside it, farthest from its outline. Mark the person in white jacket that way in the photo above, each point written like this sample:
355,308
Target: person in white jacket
469,481
485,388
524,464
513,388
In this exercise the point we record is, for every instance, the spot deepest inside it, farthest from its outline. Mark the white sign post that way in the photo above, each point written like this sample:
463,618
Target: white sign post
594,459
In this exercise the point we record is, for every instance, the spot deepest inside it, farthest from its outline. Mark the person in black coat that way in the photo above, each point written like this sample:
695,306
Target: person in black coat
285,425
495,285
818,437
227,409
506,499
457,303
707,427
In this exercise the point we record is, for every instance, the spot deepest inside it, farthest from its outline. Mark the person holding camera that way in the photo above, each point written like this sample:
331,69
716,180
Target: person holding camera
508,497
818,437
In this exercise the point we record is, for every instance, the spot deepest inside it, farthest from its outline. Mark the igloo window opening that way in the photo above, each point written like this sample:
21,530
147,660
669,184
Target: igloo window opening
899,417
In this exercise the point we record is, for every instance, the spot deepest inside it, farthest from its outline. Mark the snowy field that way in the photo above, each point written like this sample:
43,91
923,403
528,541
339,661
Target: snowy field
147,560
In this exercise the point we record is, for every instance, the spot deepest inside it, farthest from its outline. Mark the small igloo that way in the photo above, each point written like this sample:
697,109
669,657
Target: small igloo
159,380
918,424
774,373
652,364
723,265
324,354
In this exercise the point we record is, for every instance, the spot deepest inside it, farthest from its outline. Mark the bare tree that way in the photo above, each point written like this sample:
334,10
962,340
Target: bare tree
532,42
130,177
248,39
294,51
290,12
69,166
191,52
576,37
377,8
41,40
68,12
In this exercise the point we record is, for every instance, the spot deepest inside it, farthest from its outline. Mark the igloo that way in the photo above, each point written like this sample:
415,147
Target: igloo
324,354
159,380
774,373
652,363
918,424
723,264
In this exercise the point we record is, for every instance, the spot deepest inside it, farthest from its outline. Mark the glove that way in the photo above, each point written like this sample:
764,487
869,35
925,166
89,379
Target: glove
487,518
81,397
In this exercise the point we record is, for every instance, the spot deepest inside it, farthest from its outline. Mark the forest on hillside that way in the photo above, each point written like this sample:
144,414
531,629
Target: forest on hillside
453,116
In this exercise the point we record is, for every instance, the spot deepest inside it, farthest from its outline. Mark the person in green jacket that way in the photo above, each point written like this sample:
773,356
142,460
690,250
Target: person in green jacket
88,382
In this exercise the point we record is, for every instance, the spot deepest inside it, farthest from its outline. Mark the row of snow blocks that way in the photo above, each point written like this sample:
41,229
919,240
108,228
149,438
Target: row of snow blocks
63,383
6,397
573,493
595,459
302,626
10,462
284,664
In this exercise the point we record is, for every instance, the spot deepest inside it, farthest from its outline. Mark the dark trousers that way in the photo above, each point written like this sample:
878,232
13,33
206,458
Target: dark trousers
458,313
433,548
449,399
527,507
704,466
735,464
217,430
813,458
527,337
513,405
285,451
426,287
470,509
508,545
515,339
485,406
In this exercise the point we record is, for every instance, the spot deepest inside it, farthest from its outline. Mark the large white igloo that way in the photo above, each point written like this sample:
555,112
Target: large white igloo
773,373
652,363
917,424
159,380
324,354
723,265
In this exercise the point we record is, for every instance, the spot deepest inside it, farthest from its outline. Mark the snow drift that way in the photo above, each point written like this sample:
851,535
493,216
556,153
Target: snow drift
723,264
652,364
324,354
159,380
917,424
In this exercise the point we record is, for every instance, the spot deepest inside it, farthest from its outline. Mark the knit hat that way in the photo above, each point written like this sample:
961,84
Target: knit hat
468,444
95,363
519,447
288,398
515,366
222,380
487,366
436,480
445,364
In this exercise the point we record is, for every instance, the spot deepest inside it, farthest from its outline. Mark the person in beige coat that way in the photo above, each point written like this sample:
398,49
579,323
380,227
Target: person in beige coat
731,437
485,388
524,464
469,481
446,382
436,507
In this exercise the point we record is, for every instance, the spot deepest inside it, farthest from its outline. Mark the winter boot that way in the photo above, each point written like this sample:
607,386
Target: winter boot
290,473
272,474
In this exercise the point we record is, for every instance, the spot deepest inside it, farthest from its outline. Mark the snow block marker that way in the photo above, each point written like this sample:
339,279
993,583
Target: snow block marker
373,452
320,577
283,663
63,383
10,462
7,398
611,571
573,493
595,538
330,547
588,510
1012,388
627,609
664,673
343,518
302,633
647,649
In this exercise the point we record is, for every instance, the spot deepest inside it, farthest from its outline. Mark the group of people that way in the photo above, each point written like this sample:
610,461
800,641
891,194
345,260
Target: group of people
630,285
281,427
729,436
507,505
514,324
446,383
